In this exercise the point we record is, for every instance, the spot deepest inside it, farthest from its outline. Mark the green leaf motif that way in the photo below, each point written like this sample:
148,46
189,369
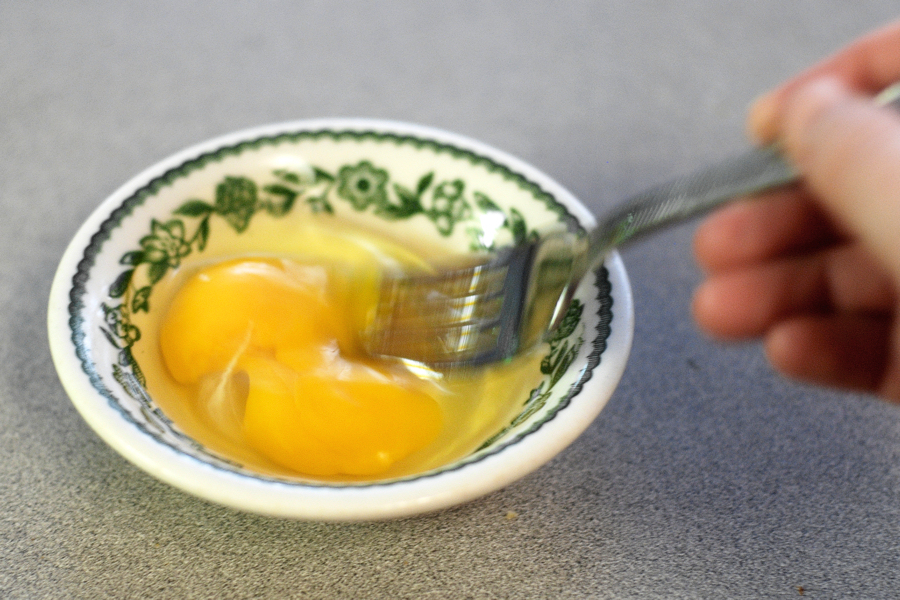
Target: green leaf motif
110,337
322,175
132,258
409,205
120,285
126,359
424,183
320,204
130,380
288,176
569,322
517,226
485,204
202,234
157,271
194,208
140,302
286,197
536,401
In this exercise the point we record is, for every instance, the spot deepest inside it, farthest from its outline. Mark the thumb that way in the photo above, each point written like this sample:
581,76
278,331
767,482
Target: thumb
848,151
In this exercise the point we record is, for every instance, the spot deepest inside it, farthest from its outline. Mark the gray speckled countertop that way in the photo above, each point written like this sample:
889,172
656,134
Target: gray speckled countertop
707,476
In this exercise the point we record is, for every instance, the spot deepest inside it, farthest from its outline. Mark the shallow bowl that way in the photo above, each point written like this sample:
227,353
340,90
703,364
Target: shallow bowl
402,179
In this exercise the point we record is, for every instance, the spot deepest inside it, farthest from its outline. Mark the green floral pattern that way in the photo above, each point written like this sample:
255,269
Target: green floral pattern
363,186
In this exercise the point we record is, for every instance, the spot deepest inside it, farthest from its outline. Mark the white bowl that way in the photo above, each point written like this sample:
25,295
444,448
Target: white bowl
91,335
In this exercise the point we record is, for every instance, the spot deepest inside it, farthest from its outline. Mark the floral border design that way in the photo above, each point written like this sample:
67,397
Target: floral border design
364,186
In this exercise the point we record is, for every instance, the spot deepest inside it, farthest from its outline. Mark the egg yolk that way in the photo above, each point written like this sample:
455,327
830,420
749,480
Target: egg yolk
309,406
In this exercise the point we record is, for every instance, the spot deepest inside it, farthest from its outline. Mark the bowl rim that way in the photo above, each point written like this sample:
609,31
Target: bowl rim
377,500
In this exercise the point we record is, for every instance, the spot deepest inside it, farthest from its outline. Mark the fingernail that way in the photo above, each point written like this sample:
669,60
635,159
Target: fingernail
805,109
761,121
817,95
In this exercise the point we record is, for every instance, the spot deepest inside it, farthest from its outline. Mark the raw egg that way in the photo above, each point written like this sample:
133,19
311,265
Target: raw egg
251,351
274,351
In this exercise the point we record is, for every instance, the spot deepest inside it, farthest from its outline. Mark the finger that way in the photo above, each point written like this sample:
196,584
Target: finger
849,153
747,302
867,65
759,229
846,351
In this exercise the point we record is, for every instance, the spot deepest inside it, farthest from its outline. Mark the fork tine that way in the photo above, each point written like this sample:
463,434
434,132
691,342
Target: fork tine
449,346
463,297
438,310
454,318
447,317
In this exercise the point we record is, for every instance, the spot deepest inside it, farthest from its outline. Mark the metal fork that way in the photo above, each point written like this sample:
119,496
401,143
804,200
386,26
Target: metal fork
509,302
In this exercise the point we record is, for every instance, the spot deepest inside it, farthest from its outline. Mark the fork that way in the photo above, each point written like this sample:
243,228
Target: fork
509,302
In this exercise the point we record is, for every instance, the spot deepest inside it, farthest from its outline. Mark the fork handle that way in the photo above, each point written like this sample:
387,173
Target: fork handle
697,193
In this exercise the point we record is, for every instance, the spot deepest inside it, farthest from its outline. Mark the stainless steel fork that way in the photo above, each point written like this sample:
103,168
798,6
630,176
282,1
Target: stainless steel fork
498,308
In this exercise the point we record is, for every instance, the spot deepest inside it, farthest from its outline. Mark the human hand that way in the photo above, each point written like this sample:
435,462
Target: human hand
814,269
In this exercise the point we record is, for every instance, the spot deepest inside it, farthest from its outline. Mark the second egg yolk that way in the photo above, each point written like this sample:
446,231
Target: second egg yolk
308,407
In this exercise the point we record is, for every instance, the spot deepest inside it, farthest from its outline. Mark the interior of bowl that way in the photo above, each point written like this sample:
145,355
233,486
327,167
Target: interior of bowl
407,185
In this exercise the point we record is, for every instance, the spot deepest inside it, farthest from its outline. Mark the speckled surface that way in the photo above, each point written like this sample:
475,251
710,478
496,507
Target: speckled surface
705,477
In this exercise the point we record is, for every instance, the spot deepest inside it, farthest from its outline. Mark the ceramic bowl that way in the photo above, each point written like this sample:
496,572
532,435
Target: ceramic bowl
400,178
